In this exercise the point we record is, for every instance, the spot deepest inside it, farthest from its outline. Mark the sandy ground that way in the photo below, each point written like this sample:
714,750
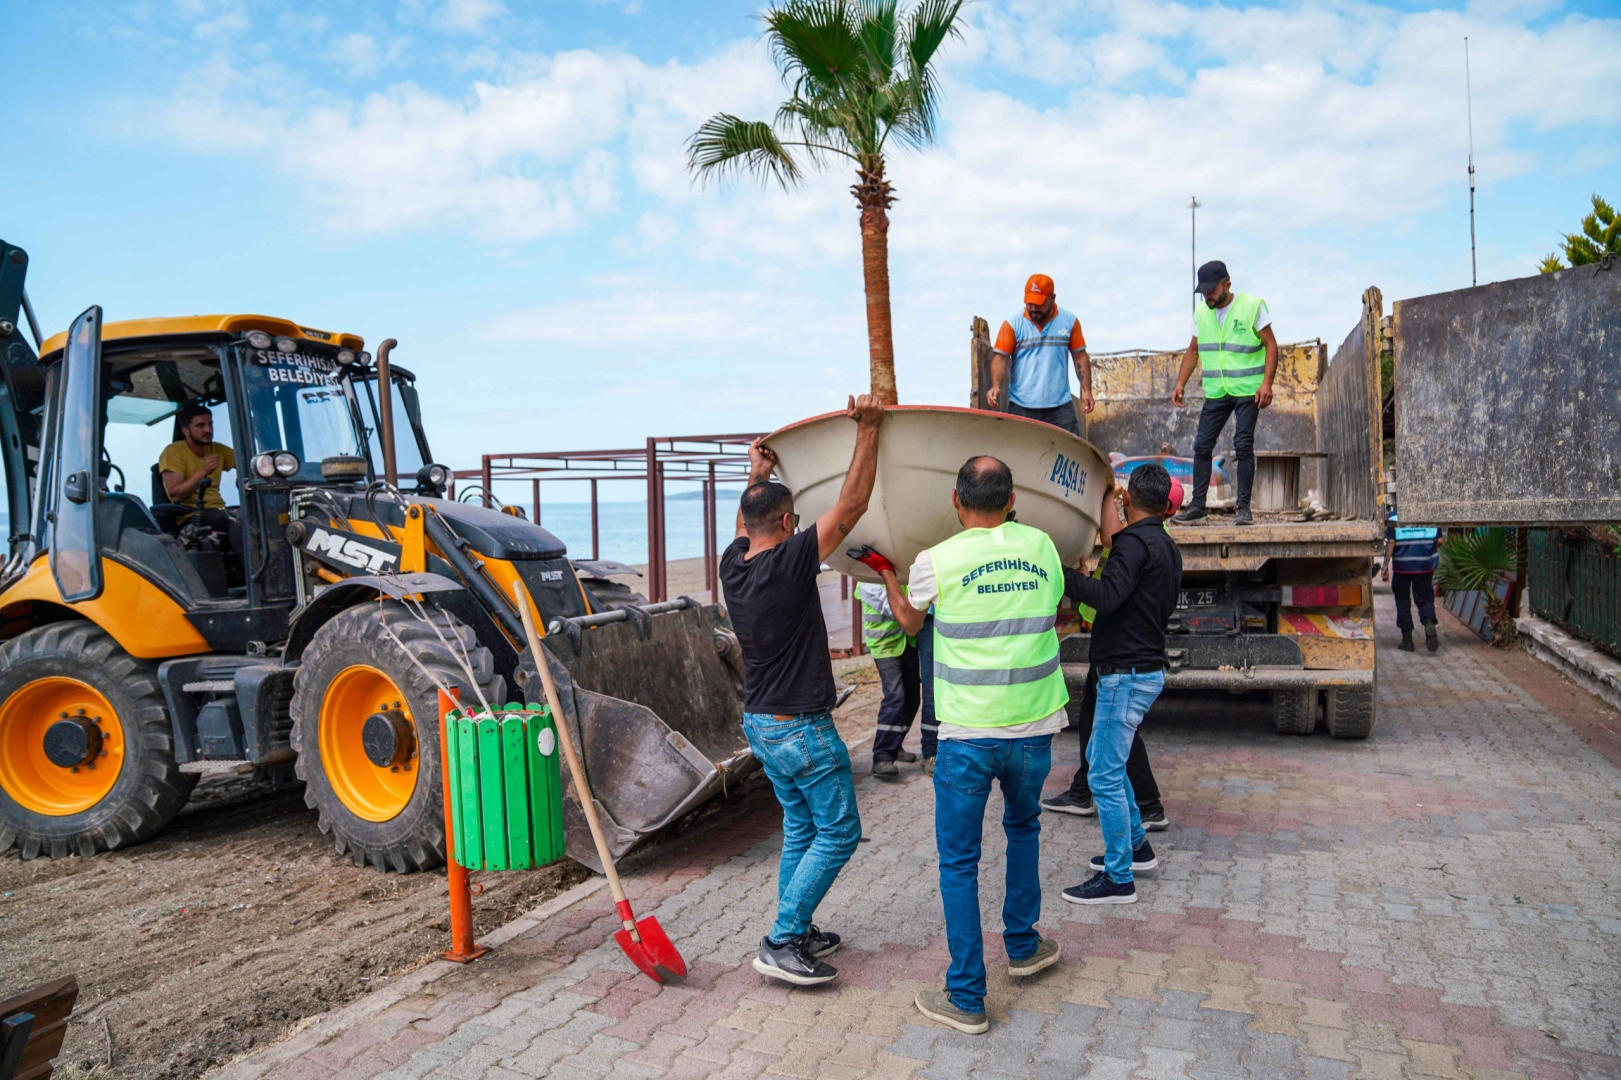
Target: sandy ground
238,925
687,579
228,930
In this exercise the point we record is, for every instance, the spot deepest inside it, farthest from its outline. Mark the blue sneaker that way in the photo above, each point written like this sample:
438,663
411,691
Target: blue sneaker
1100,889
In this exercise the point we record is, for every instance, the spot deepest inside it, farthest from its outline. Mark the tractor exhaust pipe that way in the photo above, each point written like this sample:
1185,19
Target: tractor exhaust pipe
385,407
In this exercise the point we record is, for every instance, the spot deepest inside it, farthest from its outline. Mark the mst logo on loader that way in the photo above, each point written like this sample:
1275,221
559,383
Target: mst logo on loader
349,550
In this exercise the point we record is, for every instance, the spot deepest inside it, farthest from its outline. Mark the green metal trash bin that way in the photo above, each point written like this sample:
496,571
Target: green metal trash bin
506,788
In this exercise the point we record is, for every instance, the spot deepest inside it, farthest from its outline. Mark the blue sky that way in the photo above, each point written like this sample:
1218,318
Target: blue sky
500,186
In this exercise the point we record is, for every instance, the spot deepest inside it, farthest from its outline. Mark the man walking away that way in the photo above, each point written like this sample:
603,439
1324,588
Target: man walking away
1237,354
1415,552
1000,698
769,574
1039,346
1134,599
894,653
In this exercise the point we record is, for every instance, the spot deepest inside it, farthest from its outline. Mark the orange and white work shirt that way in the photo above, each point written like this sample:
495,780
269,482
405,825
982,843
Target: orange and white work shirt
1041,358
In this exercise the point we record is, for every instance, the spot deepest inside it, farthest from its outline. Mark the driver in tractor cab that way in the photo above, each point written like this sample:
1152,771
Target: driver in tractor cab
193,457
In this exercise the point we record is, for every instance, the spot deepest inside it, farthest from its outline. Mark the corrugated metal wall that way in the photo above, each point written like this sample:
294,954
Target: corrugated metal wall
1576,583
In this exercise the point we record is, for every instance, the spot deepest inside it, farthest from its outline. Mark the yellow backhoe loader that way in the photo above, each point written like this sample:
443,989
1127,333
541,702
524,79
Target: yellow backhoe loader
304,628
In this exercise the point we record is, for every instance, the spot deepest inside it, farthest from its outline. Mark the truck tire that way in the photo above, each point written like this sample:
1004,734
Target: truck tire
86,747
366,729
1352,711
1294,712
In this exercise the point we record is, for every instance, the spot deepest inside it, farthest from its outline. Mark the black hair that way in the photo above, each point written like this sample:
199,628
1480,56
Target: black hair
185,415
763,505
1150,486
985,484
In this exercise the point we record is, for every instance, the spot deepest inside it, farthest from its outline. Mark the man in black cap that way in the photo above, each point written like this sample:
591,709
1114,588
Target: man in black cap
1237,354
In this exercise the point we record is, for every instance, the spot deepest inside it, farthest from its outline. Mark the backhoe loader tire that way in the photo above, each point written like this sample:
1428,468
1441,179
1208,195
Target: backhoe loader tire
374,816
1351,712
1294,712
47,809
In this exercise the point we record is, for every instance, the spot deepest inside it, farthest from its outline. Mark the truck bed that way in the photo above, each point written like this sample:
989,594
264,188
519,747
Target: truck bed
1221,545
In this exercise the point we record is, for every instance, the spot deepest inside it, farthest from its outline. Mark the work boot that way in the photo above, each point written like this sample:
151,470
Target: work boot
928,765
887,769
905,755
1193,515
1242,516
1432,640
937,1006
1406,641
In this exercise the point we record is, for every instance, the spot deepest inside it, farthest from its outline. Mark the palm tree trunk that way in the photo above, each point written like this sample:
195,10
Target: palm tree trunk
874,196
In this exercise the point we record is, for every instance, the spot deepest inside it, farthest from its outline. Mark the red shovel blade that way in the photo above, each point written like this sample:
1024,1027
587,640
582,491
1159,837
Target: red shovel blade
655,955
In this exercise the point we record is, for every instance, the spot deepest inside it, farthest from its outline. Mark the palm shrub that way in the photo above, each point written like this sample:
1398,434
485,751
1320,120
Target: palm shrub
1475,560
860,80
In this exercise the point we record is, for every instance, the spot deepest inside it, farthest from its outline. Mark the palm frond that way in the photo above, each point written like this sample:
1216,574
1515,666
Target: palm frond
928,27
879,34
1475,560
726,145
814,44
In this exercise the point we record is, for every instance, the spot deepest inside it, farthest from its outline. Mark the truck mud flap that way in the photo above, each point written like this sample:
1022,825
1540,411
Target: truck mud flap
654,698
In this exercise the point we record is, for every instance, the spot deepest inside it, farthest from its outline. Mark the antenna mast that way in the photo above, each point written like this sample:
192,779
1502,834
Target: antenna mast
1469,111
1193,254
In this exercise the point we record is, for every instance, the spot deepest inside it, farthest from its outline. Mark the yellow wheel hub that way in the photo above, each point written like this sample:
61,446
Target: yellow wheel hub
61,746
368,743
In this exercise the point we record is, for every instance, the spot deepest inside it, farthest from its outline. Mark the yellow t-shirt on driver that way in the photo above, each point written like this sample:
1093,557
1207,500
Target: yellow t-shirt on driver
178,458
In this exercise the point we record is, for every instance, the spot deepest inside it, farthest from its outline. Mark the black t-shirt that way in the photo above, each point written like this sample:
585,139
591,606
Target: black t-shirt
777,613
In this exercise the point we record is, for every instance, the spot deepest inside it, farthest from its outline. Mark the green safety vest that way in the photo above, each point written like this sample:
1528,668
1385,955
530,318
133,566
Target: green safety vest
884,635
1232,356
995,650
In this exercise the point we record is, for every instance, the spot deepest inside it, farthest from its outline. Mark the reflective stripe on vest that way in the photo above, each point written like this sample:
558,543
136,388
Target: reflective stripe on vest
884,635
1041,361
1232,357
1415,551
995,650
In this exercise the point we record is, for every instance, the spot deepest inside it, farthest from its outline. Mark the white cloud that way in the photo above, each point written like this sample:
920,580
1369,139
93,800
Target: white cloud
1298,127
356,54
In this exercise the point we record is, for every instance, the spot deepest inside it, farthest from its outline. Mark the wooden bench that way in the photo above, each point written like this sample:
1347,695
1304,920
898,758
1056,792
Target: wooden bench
32,1025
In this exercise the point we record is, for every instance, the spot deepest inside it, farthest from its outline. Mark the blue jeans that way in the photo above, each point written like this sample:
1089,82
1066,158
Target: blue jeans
963,773
809,768
1123,701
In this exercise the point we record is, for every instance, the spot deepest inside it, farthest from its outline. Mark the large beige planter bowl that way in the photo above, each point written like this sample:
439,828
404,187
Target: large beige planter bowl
1058,478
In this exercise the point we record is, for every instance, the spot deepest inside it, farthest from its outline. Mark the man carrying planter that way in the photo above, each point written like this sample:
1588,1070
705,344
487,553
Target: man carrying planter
1000,698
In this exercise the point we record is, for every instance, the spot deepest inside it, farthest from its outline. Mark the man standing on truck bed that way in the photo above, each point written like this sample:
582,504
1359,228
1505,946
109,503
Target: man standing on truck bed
769,574
1039,346
1238,354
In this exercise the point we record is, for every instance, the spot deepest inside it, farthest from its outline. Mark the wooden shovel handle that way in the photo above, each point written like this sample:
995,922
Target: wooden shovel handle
567,742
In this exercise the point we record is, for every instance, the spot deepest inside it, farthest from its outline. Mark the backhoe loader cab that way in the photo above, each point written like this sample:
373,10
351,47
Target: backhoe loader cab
310,635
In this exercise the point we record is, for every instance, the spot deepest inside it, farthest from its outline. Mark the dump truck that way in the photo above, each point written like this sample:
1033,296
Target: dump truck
141,647
1285,605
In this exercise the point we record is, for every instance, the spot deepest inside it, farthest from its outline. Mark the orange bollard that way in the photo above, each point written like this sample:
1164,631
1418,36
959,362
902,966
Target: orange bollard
462,949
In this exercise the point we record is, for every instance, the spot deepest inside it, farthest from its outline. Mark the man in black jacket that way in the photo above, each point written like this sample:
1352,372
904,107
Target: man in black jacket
1134,600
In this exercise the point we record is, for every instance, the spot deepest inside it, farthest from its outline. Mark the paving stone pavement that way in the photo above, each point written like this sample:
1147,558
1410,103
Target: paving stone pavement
1439,901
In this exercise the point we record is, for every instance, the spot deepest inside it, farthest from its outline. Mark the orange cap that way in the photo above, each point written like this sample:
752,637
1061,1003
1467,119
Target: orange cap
1039,289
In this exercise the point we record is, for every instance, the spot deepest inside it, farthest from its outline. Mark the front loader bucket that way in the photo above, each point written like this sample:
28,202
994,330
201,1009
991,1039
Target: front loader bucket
654,697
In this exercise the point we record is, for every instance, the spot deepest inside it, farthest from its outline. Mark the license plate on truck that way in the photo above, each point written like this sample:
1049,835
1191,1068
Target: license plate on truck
1190,598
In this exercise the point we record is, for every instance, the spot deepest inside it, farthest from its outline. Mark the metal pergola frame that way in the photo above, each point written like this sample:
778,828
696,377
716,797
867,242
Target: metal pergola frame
704,459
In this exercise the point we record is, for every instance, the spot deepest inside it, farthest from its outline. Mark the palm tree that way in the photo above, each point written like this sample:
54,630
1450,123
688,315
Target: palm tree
859,75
